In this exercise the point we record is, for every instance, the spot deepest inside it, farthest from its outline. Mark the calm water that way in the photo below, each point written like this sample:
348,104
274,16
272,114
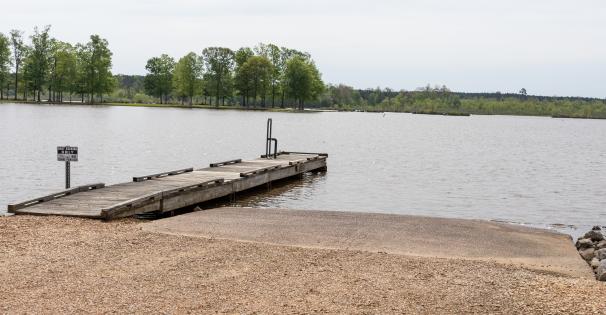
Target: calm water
530,170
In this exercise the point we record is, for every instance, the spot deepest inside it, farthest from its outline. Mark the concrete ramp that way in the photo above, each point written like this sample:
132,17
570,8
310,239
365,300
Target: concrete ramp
396,234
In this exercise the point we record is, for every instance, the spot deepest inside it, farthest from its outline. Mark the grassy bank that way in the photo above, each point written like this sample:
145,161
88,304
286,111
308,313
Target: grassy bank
595,109
450,104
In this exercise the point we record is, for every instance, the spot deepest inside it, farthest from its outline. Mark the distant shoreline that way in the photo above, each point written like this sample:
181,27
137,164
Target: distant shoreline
291,110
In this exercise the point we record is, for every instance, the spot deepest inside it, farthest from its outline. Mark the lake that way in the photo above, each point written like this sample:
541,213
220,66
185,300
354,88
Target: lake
529,170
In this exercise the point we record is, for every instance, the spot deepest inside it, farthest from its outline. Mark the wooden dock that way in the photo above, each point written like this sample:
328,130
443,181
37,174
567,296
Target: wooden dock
172,190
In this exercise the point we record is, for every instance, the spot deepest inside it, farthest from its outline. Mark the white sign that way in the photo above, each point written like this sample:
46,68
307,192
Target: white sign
67,153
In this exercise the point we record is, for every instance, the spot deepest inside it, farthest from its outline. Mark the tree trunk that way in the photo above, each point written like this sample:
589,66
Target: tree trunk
16,79
218,92
282,104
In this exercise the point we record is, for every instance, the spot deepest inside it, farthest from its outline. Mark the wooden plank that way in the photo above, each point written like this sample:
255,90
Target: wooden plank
225,175
295,162
169,173
230,169
14,207
299,153
225,163
134,203
190,188
258,171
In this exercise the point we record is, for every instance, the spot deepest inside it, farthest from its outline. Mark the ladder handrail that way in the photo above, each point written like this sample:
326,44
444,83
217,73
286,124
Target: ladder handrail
269,139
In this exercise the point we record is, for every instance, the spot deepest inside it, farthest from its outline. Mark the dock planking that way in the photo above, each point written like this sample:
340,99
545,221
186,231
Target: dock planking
172,190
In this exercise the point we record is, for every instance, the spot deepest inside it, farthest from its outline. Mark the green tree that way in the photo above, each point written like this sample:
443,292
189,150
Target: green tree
81,86
273,53
39,59
286,54
26,77
159,80
241,79
95,66
219,63
19,50
5,63
303,81
255,76
132,84
63,70
187,77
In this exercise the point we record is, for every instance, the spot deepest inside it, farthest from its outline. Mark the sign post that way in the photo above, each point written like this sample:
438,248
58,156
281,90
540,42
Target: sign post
67,154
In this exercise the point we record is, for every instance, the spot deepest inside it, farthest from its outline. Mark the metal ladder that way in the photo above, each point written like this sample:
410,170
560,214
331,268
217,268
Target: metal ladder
269,140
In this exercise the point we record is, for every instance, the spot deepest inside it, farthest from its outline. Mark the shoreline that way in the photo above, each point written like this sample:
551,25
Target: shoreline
58,264
197,106
292,110
571,230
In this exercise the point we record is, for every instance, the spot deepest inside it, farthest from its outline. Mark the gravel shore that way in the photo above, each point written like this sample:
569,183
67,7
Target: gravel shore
67,265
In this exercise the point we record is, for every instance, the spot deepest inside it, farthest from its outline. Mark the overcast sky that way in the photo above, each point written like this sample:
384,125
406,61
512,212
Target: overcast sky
549,47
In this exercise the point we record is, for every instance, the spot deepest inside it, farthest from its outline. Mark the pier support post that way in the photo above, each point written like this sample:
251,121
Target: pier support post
67,175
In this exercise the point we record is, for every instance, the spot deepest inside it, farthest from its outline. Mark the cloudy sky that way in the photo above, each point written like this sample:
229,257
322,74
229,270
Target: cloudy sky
549,47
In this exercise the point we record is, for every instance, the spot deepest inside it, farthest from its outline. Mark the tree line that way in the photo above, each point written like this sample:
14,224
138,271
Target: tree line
47,66
261,76
441,100
264,75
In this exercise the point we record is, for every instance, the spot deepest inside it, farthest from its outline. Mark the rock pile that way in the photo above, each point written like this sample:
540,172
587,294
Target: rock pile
592,247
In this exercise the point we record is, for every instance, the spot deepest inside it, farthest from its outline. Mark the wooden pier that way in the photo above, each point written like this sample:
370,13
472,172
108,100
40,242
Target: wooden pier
173,190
